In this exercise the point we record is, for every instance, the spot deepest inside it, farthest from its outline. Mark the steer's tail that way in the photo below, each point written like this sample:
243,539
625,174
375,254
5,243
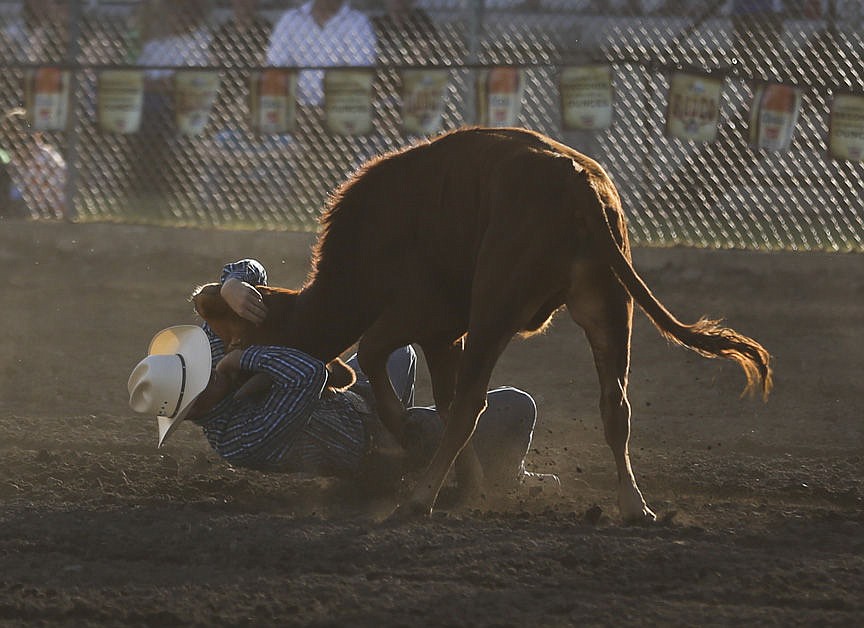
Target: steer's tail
706,337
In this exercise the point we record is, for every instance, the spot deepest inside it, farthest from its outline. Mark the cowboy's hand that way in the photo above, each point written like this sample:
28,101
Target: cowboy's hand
229,366
244,299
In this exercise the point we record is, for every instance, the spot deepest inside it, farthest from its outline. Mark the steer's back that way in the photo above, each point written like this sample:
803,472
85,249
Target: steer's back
420,216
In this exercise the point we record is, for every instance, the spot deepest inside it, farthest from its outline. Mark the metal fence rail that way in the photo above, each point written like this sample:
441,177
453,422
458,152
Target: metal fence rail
720,194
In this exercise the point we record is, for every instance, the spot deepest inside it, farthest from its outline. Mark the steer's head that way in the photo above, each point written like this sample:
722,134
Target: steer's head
233,330
238,333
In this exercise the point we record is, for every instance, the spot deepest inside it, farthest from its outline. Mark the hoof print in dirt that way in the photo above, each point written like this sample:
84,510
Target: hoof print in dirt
593,515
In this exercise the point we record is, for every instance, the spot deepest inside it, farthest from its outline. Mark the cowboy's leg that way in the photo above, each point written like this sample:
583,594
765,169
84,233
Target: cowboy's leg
385,453
402,369
503,435
501,440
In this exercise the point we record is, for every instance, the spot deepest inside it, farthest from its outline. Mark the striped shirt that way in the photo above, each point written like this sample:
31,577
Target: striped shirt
295,426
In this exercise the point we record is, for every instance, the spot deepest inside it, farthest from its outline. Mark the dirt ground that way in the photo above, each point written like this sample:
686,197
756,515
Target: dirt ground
761,506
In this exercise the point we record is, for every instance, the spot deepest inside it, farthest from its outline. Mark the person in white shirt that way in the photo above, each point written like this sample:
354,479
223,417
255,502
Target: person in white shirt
181,38
321,33
39,34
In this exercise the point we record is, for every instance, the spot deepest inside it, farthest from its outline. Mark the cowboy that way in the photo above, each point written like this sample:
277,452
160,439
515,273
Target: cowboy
297,424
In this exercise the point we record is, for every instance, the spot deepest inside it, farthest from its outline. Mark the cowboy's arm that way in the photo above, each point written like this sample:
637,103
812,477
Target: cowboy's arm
249,430
297,379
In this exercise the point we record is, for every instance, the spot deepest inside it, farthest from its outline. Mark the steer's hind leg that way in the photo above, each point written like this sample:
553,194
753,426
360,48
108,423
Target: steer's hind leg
601,306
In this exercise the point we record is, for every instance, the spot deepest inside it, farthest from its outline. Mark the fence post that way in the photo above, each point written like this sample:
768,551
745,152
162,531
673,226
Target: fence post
73,48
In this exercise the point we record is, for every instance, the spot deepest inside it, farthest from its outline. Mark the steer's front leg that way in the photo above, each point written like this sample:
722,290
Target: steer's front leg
442,357
388,405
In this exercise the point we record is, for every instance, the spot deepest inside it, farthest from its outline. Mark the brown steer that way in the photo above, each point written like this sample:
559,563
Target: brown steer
457,244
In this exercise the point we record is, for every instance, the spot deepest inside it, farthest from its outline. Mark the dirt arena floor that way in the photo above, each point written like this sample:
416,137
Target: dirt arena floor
761,506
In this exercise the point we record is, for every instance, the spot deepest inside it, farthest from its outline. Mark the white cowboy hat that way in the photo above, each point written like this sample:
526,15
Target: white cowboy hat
175,371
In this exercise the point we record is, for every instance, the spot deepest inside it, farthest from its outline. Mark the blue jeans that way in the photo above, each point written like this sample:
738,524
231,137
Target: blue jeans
504,431
501,440
402,369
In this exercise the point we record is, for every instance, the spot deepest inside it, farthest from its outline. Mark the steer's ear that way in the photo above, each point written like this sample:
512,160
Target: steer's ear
209,304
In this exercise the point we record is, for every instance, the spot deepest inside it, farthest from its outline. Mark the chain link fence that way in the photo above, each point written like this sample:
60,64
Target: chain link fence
718,194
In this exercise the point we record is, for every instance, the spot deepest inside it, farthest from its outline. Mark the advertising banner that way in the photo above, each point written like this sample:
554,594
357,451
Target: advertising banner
423,94
693,111
348,101
586,97
273,101
120,98
846,127
46,98
499,96
195,93
773,116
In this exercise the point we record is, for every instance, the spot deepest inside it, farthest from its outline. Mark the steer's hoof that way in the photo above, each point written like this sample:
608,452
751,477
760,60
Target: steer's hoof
409,511
643,518
381,472
468,496
632,506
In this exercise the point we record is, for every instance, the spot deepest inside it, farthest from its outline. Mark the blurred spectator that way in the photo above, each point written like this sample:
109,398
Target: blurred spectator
242,40
406,35
40,33
321,33
37,172
243,166
239,42
177,35
184,42
5,183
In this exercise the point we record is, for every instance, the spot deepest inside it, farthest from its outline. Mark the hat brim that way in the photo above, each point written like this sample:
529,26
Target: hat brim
192,343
